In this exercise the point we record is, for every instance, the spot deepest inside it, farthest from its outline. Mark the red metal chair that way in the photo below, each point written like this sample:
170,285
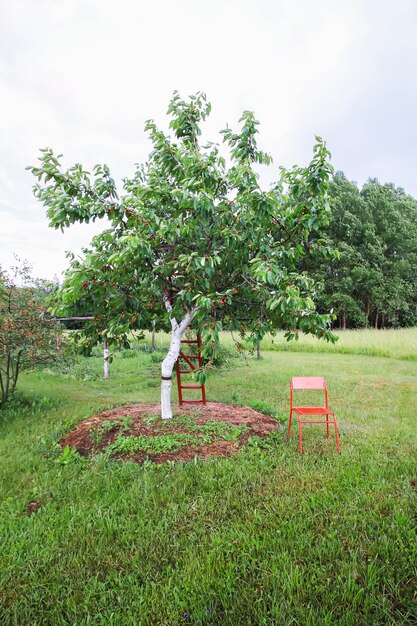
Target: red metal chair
308,383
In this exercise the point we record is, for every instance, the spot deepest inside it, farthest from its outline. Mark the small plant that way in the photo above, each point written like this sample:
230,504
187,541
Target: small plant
150,420
96,434
170,442
49,446
187,421
267,409
108,425
235,398
265,443
234,433
222,430
68,456
126,423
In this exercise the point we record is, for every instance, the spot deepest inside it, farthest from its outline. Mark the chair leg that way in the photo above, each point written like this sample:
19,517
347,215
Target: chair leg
300,431
289,425
336,434
327,424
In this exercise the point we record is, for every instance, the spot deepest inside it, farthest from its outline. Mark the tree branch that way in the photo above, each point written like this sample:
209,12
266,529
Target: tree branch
168,307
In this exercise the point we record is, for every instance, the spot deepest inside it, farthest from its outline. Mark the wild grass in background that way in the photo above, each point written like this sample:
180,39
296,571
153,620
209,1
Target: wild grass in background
398,343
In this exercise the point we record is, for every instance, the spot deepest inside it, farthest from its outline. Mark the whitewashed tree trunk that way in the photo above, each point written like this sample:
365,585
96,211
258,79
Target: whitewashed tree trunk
106,360
168,363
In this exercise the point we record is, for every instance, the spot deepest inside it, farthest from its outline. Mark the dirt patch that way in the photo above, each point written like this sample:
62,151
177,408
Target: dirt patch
237,424
33,506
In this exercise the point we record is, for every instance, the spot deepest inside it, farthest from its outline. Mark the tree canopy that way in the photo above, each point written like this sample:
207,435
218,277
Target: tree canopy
194,237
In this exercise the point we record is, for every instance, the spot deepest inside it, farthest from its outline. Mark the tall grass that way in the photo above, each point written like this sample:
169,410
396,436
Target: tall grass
392,343
396,343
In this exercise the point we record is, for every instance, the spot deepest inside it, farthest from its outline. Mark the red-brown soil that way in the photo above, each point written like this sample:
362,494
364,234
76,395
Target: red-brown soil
33,506
257,424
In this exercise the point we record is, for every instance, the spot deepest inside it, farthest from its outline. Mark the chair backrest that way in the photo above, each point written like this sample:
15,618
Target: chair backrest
308,382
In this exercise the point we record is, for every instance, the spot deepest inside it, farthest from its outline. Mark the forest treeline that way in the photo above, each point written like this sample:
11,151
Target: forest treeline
374,281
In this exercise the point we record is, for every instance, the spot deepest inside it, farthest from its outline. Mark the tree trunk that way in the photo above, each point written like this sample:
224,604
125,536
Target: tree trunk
166,373
258,349
344,321
368,308
8,382
376,318
8,377
168,363
153,335
106,360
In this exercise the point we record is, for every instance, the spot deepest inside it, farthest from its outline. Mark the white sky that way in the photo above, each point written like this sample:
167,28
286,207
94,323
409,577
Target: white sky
82,76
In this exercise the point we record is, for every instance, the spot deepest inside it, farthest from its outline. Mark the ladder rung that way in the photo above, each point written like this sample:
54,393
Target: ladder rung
191,387
181,369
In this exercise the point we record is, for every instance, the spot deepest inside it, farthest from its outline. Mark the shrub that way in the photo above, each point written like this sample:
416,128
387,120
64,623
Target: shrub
27,337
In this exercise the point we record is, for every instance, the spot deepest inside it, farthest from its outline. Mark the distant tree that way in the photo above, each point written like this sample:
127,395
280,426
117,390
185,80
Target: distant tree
374,280
193,239
394,216
26,337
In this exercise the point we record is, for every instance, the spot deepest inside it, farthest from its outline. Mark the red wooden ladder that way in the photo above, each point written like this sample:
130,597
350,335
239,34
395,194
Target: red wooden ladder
190,360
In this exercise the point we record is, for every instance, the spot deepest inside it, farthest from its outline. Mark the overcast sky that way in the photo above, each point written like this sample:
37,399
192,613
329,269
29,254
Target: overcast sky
82,76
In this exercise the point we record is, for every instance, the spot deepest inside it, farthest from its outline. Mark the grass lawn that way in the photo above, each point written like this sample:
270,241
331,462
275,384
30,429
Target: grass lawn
264,537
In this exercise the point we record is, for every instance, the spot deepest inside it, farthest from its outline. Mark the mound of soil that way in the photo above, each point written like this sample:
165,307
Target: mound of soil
97,433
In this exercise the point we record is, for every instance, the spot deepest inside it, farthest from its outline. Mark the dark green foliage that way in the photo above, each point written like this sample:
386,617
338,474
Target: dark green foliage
27,339
374,281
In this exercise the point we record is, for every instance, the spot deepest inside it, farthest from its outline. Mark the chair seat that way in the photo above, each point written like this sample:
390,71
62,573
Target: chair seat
312,410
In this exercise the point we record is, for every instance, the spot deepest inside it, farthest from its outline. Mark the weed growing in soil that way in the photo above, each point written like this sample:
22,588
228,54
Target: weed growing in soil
173,441
150,420
222,430
69,456
96,434
266,443
157,444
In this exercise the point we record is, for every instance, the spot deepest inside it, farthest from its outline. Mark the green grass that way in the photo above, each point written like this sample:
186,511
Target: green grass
398,343
264,537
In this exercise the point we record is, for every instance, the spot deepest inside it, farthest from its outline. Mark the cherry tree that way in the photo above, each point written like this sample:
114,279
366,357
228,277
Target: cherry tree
193,239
